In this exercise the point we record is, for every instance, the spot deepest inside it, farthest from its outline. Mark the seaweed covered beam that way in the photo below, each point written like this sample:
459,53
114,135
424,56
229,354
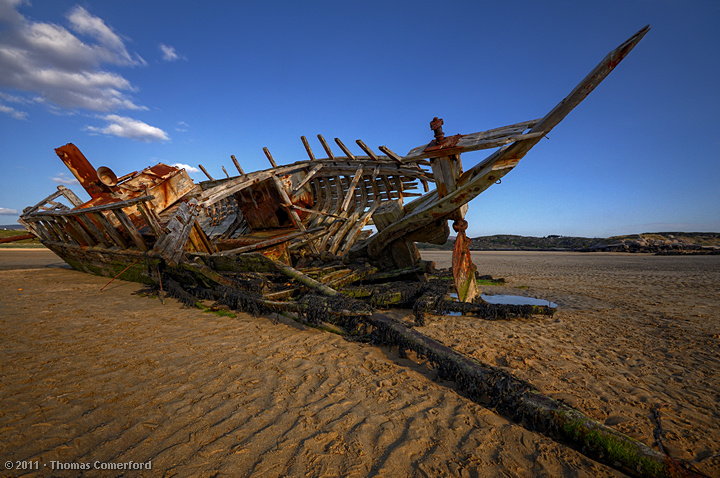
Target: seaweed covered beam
523,403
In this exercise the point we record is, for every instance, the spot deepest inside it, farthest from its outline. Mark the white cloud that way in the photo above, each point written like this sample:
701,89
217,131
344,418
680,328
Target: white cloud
125,127
21,115
110,46
169,53
66,179
56,64
7,212
182,127
187,167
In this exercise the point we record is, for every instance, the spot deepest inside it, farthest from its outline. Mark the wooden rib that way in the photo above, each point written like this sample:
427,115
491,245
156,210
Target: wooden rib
269,157
398,186
291,211
328,205
367,150
326,147
107,227
237,165
57,230
391,154
130,228
338,235
321,198
307,177
202,168
307,148
354,234
94,230
388,187
344,148
225,171
350,193
77,232
36,228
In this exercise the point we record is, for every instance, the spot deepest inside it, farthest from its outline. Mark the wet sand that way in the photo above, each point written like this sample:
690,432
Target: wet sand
112,377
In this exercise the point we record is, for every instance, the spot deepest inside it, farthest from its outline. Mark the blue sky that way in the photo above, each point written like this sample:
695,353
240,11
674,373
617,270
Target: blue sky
134,83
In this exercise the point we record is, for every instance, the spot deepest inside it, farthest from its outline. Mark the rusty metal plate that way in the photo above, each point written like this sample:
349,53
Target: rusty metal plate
462,265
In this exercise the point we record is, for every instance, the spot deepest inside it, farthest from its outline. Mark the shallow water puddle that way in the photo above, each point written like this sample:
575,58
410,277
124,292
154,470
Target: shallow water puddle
505,299
515,300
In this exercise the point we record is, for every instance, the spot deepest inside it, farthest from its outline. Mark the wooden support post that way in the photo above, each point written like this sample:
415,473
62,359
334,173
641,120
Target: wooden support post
225,171
202,168
237,165
307,148
326,147
391,154
269,157
344,148
405,254
367,150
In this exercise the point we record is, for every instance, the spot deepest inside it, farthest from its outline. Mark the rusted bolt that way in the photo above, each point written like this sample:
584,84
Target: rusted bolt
460,225
436,125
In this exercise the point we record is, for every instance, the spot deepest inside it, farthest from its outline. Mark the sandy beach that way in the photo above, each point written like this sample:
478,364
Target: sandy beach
95,378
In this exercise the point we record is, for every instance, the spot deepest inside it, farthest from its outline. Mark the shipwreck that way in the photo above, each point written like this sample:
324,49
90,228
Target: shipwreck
328,239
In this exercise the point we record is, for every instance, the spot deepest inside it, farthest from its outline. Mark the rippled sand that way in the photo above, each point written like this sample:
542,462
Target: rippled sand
113,377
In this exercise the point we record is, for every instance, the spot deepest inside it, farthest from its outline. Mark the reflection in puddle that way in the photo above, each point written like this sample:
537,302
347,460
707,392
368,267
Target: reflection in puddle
506,300
515,300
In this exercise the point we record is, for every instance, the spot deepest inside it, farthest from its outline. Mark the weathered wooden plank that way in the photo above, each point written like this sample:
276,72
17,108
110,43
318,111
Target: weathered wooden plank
70,196
104,207
308,177
130,228
73,228
148,215
106,227
94,230
269,242
171,245
352,236
492,138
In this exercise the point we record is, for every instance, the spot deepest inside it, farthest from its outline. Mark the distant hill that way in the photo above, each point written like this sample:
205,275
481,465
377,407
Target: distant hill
659,243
